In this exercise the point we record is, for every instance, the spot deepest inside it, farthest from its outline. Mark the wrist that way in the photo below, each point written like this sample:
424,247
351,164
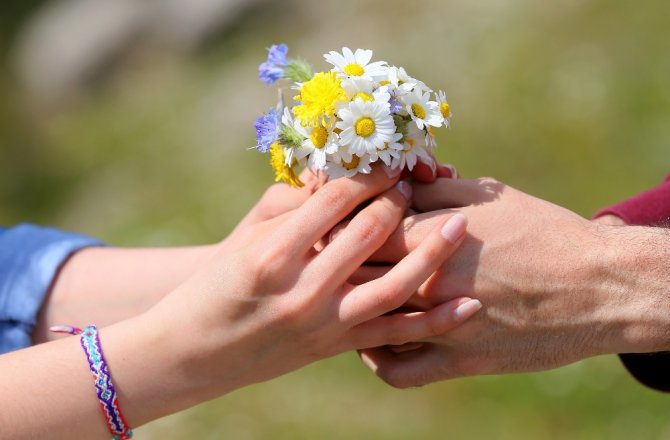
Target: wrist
634,283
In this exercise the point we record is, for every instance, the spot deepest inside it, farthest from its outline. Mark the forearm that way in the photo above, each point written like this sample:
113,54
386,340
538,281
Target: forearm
47,391
636,272
107,285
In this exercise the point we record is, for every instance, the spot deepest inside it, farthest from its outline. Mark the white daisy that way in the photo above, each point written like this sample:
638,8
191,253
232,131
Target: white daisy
444,108
359,89
414,148
318,144
401,82
347,165
399,86
288,120
366,126
364,90
431,143
353,66
390,151
422,110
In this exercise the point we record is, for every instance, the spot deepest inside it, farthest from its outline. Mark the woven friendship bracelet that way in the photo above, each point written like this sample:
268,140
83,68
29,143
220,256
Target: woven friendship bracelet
90,342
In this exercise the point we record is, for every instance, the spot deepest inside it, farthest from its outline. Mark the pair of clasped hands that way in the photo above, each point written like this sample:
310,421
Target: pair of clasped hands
428,277
379,265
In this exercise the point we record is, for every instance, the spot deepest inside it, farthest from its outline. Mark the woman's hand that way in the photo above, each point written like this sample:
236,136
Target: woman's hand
107,284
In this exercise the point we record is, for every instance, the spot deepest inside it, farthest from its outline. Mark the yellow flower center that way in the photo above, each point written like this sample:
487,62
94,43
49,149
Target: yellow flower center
318,99
384,82
319,136
352,164
282,171
444,109
410,144
386,147
365,126
364,96
354,69
418,111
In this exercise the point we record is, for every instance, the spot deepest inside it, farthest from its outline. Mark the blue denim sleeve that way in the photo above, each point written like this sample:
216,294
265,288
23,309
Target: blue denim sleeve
30,257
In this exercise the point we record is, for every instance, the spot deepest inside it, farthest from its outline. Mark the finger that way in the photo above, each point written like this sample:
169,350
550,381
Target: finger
408,236
401,328
242,236
380,296
281,198
425,170
419,301
610,219
362,236
328,206
405,347
368,273
447,170
408,369
454,193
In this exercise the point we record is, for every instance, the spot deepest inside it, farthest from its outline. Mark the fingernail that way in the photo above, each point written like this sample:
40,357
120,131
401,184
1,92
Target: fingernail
454,228
466,310
392,173
410,346
405,189
432,164
452,169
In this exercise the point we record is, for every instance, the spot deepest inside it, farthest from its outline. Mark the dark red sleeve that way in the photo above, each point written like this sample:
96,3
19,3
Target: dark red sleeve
649,208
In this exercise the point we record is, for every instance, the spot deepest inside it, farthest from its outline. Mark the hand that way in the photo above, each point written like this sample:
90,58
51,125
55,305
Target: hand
541,272
427,170
128,281
273,303
281,198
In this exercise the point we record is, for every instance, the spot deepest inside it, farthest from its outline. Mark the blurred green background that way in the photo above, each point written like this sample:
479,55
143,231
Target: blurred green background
148,145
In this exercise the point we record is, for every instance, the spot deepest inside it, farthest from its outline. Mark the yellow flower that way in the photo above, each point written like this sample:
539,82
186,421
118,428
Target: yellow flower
282,171
319,98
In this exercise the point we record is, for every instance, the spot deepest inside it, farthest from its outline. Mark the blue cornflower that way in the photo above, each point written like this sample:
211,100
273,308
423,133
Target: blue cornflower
273,69
267,130
395,106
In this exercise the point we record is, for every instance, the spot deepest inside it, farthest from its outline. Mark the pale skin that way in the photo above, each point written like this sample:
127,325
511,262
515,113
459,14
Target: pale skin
264,304
556,287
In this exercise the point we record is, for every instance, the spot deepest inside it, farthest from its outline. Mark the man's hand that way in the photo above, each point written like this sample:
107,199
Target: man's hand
554,286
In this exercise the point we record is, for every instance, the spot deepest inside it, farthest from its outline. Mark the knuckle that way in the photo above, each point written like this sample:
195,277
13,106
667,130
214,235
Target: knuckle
367,227
388,298
335,195
397,335
431,253
267,263
437,327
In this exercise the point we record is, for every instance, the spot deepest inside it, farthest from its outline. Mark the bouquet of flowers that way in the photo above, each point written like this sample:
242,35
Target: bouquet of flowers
347,118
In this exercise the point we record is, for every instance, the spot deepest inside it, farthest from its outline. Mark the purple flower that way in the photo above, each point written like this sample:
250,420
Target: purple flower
395,106
273,69
267,130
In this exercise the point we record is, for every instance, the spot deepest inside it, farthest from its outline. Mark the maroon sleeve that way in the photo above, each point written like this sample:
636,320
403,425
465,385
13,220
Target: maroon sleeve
649,208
